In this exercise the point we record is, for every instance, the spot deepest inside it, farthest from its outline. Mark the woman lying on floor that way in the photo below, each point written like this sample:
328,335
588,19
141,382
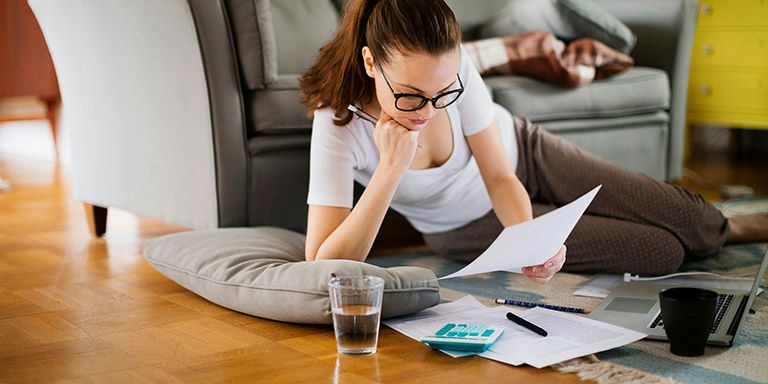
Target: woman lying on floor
461,168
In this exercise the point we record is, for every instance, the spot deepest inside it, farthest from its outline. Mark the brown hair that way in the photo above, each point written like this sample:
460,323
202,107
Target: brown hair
338,77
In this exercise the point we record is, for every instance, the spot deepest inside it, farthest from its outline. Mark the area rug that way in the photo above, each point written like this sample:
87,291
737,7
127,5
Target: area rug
642,361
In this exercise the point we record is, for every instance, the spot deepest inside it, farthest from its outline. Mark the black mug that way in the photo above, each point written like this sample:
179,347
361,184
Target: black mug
688,314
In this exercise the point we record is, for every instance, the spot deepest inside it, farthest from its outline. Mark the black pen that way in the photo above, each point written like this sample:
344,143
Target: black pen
525,323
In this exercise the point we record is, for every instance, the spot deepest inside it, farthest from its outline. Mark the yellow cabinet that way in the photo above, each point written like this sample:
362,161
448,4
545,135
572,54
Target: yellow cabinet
729,64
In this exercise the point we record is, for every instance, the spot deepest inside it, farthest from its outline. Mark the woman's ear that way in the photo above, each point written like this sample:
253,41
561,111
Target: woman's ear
368,61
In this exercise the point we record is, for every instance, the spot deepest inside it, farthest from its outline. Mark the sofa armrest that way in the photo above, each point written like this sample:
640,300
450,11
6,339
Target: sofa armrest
136,106
230,137
664,30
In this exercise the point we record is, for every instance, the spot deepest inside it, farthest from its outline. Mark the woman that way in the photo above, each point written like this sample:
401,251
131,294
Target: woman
461,168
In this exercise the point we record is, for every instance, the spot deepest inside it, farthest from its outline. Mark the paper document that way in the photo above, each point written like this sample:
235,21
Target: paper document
529,243
570,336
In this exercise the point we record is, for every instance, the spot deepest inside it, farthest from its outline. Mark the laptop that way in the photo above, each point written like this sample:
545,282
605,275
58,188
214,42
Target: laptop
635,305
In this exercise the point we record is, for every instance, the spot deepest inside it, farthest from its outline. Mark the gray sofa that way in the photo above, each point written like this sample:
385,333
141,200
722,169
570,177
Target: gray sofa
634,119
188,110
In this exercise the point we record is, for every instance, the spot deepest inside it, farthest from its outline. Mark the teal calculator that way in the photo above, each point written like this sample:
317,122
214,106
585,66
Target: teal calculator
463,337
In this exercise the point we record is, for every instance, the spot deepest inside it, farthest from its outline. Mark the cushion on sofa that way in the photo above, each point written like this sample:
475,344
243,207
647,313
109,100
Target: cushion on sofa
261,271
472,15
638,90
272,37
301,27
566,19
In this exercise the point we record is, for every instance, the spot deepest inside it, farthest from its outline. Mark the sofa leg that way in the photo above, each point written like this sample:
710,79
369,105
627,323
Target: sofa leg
97,219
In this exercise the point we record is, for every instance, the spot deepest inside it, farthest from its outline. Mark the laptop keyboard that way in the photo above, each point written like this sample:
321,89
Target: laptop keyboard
723,302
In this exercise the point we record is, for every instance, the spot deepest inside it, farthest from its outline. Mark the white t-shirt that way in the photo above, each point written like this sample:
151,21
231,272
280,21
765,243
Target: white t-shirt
434,199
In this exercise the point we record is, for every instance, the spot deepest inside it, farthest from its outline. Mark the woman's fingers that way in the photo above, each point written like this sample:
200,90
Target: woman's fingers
383,117
544,272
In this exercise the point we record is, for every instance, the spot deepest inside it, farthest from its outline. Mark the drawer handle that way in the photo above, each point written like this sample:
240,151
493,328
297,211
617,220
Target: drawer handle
707,49
707,9
706,90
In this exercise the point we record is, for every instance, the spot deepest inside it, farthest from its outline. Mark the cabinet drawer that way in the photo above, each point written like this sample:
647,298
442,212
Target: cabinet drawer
731,48
733,12
747,92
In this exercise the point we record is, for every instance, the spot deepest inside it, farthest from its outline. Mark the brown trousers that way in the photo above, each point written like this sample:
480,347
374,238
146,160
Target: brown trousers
635,223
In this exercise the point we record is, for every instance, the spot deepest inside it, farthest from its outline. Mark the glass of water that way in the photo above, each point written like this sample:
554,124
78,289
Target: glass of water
356,308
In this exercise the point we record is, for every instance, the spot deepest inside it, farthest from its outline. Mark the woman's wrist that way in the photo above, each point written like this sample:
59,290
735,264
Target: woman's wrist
390,172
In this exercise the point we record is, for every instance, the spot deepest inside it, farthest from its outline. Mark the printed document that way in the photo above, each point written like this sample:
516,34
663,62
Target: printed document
570,336
529,243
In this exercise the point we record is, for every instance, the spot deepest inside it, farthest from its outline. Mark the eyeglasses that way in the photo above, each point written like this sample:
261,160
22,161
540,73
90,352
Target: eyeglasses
409,102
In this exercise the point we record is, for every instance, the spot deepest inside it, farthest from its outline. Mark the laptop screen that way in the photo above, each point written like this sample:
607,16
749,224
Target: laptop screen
755,285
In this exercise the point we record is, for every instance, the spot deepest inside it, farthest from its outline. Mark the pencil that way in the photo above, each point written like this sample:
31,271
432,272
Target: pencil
547,306
361,114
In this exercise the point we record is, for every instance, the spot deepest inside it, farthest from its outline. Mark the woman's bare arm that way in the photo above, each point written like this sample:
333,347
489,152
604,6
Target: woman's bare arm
341,233
337,233
510,199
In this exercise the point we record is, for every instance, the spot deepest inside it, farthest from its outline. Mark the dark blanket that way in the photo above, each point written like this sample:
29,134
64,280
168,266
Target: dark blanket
542,56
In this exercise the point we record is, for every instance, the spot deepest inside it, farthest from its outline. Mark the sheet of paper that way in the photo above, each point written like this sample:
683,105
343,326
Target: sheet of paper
531,242
601,285
570,336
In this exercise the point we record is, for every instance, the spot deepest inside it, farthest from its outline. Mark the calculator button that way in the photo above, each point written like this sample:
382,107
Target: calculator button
474,334
487,333
461,334
445,329
451,334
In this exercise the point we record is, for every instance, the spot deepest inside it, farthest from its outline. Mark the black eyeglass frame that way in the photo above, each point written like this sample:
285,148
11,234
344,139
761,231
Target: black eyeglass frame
424,99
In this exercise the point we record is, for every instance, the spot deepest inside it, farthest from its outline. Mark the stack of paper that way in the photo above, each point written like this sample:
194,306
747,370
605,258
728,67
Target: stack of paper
570,336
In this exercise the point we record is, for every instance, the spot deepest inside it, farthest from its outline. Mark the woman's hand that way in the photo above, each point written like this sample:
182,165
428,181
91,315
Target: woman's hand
544,272
396,144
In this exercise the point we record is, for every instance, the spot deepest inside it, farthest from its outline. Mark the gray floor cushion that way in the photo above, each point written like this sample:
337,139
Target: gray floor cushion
261,271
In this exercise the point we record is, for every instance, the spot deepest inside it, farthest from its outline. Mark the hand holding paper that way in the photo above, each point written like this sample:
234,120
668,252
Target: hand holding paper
531,242
546,271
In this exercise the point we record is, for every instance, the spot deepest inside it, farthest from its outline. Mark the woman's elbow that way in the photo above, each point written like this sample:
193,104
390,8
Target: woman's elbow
310,254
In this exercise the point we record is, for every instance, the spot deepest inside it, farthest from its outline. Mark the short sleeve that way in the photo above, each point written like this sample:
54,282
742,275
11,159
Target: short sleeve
475,105
331,162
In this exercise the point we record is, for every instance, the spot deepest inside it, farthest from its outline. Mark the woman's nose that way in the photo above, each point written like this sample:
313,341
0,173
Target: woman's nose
427,112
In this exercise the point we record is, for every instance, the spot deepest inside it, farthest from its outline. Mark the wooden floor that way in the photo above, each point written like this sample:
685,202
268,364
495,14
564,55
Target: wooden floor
73,308
92,310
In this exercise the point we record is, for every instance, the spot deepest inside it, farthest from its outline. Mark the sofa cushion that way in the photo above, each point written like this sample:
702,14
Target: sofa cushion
301,27
273,37
251,25
566,19
261,271
472,15
638,90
